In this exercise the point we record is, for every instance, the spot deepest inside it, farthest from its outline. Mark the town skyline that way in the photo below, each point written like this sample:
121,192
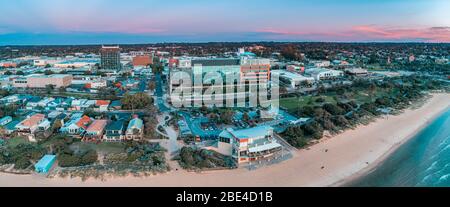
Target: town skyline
117,22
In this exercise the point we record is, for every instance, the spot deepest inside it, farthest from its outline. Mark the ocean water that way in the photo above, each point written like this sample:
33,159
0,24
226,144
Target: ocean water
422,161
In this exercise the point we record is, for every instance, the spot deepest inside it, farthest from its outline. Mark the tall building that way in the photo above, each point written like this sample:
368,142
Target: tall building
110,58
255,70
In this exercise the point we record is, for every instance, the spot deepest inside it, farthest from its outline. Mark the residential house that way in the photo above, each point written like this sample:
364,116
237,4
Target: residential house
95,130
114,132
31,125
77,125
10,128
5,120
135,129
115,105
102,105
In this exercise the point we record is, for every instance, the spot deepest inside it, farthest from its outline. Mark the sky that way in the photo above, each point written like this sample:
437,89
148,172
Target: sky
40,22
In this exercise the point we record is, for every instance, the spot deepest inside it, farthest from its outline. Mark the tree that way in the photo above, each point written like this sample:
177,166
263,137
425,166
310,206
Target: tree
333,109
245,117
152,85
227,116
8,73
49,88
136,101
290,52
48,72
20,72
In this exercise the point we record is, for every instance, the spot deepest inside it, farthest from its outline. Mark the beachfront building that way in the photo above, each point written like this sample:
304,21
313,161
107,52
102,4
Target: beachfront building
95,130
247,145
45,164
77,125
114,132
29,126
135,129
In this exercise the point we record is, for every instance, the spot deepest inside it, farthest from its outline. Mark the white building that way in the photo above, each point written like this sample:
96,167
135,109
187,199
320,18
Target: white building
294,80
323,73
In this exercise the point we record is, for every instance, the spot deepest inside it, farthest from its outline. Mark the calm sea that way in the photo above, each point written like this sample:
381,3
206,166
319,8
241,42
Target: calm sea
423,161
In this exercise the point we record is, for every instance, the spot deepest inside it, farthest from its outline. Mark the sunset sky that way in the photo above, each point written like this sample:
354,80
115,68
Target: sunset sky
148,21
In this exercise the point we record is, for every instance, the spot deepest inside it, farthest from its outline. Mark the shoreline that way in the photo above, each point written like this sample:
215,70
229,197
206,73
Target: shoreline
331,162
365,171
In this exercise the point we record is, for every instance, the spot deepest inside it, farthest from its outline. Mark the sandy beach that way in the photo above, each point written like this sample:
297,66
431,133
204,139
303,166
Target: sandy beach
328,163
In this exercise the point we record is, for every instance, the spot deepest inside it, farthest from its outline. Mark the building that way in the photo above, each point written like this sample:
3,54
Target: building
219,65
356,71
135,129
102,105
31,124
77,63
295,68
114,132
77,125
320,63
247,145
294,80
110,58
95,130
5,120
45,164
42,81
10,128
323,73
142,60
255,70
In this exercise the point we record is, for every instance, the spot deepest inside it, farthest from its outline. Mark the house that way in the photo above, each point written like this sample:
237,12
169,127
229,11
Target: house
95,131
247,145
31,124
115,105
114,132
102,105
135,129
77,125
45,164
10,128
5,120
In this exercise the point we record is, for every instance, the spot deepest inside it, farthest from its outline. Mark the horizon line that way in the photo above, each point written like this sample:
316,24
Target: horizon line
206,42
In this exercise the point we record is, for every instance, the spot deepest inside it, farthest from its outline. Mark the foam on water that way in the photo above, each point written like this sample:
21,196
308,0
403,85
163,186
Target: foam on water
422,161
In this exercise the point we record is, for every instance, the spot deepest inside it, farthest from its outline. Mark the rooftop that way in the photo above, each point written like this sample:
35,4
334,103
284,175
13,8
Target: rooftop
97,125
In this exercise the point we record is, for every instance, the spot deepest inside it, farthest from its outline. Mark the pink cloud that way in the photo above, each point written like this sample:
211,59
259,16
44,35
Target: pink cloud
366,33
432,34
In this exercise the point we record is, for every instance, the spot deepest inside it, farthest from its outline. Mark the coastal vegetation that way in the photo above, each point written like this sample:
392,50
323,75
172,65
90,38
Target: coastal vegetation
202,159
79,159
345,107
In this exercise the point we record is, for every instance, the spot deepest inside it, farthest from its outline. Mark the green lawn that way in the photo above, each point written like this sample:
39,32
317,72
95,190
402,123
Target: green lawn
13,142
103,147
294,103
